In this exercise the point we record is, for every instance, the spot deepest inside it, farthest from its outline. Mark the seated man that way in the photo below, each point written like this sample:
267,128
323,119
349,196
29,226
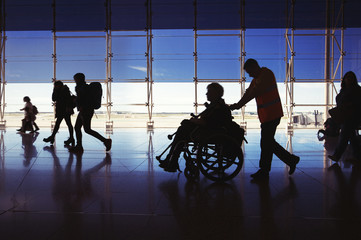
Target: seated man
215,116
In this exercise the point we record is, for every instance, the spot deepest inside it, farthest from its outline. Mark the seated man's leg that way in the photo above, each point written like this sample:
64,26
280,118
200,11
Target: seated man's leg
182,134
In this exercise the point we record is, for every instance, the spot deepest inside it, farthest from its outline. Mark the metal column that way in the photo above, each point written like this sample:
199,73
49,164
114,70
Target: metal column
328,59
54,57
289,58
242,60
108,60
195,57
2,66
149,78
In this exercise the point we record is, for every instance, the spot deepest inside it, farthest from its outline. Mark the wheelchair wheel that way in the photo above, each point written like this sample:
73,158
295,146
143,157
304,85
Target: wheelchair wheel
220,158
191,171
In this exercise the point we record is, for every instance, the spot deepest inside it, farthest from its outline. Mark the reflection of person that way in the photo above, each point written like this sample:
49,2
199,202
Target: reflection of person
29,117
349,98
85,115
29,149
264,89
215,116
269,205
63,110
200,205
71,188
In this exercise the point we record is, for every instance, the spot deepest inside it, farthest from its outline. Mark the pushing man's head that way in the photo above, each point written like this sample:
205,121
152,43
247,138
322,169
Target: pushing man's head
79,78
214,91
252,68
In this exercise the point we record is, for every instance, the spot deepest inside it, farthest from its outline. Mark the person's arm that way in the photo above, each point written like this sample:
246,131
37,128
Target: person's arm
258,86
247,96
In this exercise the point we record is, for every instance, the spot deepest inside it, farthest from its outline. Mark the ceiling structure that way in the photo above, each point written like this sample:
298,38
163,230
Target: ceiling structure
96,15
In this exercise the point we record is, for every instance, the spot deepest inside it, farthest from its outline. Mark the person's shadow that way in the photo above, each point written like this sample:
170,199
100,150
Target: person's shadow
30,151
200,205
70,189
269,204
346,207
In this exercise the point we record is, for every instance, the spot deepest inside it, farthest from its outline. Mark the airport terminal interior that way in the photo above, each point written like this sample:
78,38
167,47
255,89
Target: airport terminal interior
50,192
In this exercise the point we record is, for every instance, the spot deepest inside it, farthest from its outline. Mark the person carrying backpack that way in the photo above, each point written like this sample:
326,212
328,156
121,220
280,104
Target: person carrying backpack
63,110
29,117
86,103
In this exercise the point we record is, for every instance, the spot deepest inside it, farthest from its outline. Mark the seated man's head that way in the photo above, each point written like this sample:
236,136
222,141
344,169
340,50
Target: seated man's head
214,92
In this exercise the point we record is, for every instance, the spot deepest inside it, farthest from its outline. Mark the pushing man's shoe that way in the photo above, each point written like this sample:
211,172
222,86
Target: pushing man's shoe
295,160
260,175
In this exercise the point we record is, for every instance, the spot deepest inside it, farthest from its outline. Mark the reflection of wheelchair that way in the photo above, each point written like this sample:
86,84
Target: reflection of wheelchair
217,154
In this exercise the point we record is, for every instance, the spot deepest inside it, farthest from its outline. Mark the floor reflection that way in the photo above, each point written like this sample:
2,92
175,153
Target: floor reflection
30,151
204,209
50,193
71,189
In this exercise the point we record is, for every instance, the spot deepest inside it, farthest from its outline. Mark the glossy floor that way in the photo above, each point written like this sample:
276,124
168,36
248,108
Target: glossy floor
49,193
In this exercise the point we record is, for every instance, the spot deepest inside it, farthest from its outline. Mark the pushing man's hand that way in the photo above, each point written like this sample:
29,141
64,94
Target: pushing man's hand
234,106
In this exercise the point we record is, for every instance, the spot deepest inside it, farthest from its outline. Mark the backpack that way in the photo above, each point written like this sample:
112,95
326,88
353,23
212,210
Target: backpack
35,110
95,93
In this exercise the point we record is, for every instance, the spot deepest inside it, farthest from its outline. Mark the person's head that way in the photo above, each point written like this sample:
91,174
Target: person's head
79,78
26,99
58,84
214,92
349,80
252,68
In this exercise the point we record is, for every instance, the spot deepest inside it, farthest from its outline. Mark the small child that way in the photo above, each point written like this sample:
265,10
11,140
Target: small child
29,117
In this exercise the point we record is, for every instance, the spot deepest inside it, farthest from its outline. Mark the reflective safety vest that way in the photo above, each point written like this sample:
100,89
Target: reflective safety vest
269,105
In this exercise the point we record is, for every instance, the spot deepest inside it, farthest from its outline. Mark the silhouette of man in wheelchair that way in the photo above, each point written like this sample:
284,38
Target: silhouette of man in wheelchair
210,141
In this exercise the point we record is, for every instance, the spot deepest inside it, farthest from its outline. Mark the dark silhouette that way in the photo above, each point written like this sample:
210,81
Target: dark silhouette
63,110
70,189
200,205
269,204
349,99
29,117
269,108
331,129
215,116
30,152
346,204
85,107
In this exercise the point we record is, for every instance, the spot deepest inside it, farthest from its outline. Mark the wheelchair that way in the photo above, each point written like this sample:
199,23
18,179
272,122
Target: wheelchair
217,154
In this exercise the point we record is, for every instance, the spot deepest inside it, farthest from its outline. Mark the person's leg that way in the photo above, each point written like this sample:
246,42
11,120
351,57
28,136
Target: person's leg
70,129
181,136
36,126
22,128
345,135
56,127
268,143
51,138
87,117
355,143
77,127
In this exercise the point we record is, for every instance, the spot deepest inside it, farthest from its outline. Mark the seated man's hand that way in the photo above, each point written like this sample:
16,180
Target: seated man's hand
197,121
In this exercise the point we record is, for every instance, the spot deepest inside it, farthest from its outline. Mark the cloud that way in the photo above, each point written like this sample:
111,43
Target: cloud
142,69
13,75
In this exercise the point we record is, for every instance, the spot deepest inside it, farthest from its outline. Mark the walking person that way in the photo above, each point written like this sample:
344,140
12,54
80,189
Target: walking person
269,108
85,107
29,117
349,99
63,110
